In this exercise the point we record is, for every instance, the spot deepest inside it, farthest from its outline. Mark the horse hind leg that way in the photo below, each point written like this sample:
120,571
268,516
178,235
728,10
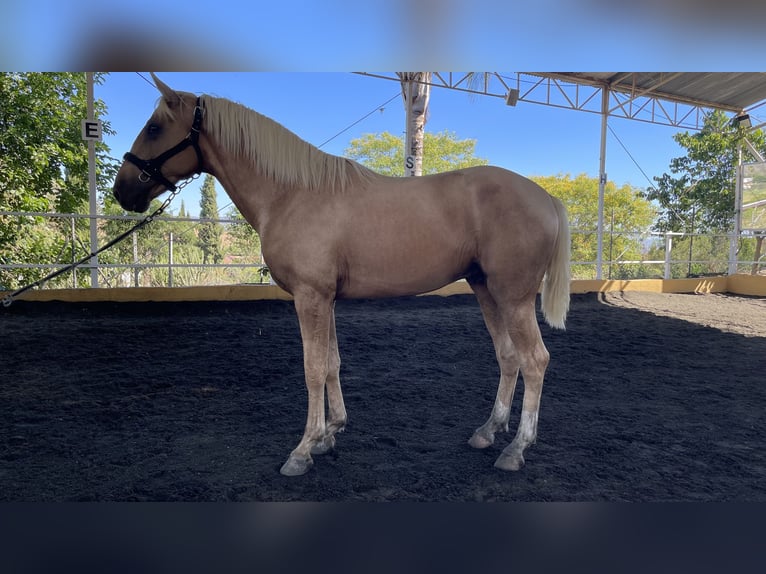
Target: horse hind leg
534,357
337,417
507,359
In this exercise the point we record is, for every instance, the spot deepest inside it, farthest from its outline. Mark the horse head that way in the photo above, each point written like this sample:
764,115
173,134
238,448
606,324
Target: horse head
170,141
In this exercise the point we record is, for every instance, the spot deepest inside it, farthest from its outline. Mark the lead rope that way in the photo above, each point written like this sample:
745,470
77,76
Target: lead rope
8,299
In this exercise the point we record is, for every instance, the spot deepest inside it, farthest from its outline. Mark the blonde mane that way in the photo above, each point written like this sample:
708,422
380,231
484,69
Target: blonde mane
279,153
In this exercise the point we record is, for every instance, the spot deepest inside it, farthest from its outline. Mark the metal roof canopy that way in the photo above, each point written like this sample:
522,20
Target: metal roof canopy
731,91
678,99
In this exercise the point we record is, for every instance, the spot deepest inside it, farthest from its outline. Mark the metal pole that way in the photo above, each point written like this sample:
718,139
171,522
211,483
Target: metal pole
602,182
93,200
691,243
668,250
409,159
170,260
734,238
135,260
611,245
74,247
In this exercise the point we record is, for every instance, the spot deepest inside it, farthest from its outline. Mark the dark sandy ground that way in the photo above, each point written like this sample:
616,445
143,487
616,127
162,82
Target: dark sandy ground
648,397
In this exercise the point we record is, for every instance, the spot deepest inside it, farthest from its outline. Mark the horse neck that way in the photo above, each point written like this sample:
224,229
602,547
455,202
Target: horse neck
250,190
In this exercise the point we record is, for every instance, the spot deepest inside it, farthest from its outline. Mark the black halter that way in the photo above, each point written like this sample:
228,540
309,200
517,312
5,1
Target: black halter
150,168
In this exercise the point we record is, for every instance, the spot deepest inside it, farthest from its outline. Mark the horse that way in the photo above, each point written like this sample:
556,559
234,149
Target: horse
332,229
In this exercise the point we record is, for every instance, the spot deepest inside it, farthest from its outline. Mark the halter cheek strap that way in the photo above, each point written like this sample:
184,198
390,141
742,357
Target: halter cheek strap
152,168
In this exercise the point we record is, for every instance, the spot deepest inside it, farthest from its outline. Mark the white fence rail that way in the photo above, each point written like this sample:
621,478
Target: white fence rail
671,255
168,254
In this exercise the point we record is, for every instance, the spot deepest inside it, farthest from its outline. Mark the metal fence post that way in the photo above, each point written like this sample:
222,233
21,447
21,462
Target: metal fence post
170,260
136,271
668,250
74,249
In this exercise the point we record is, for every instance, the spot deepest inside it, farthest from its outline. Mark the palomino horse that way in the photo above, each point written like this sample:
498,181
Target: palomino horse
333,229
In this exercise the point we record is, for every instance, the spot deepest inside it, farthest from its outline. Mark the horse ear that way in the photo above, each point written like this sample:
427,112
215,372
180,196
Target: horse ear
171,97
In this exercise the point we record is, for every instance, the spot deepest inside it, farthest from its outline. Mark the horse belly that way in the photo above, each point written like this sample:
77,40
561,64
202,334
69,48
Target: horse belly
402,261
396,284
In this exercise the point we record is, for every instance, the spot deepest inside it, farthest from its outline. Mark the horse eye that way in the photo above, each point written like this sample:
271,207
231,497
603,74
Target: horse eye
152,129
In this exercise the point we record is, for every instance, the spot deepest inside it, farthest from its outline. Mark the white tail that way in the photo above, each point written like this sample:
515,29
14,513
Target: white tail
555,295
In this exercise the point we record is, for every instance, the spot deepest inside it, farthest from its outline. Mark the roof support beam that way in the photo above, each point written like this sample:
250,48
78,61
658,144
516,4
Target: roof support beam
602,182
630,99
646,91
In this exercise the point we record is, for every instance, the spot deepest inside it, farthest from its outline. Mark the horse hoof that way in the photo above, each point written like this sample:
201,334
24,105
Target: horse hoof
509,462
324,446
479,440
296,466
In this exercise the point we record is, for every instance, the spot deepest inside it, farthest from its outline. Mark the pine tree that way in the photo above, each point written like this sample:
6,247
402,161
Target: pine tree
209,232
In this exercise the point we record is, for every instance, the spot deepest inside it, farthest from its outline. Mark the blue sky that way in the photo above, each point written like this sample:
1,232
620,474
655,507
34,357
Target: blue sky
531,139
691,35
283,37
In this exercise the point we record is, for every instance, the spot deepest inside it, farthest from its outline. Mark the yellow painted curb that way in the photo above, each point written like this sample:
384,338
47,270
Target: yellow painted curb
702,285
747,285
752,285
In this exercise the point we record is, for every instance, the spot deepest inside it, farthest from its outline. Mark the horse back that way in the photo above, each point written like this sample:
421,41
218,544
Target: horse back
411,235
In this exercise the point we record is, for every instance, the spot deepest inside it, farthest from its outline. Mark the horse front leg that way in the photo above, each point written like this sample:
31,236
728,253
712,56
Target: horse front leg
335,405
314,311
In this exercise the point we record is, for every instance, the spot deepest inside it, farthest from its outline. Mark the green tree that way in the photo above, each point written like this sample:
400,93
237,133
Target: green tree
245,247
147,245
443,151
184,231
627,214
698,193
44,166
209,231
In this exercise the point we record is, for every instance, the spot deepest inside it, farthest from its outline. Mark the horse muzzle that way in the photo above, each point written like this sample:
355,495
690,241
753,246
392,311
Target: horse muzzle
129,200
